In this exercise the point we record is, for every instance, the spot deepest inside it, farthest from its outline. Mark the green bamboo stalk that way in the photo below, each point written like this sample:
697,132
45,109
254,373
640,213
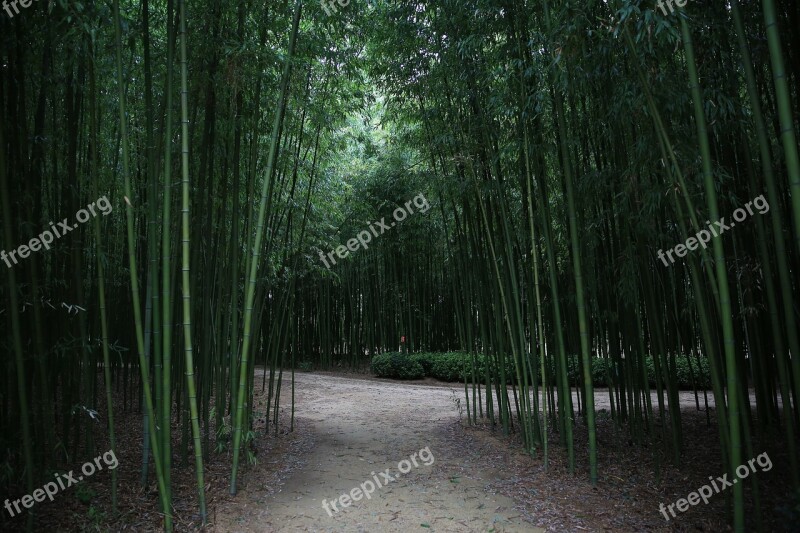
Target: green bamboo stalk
788,135
153,298
259,233
16,337
726,310
583,324
165,416
790,153
777,235
187,300
101,286
137,311
539,320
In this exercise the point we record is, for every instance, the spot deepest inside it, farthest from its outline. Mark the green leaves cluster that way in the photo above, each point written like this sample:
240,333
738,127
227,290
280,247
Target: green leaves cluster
396,366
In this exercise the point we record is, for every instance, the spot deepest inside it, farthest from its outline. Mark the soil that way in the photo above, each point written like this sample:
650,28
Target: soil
481,480
359,428
347,426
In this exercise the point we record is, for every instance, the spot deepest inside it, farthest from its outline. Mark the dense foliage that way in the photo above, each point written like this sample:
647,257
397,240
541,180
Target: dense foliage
690,374
396,366
561,145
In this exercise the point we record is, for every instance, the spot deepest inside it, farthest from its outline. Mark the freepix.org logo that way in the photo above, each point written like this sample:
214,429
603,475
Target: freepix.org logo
364,237
329,6
703,237
381,479
705,492
46,238
65,481
7,6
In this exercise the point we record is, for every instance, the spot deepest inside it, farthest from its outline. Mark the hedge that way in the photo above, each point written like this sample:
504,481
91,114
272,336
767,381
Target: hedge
601,366
452,366
396,365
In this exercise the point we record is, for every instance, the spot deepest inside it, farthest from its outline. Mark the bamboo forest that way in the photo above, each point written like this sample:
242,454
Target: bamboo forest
399,265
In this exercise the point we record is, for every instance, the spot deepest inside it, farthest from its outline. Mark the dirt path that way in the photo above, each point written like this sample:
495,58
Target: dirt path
352,430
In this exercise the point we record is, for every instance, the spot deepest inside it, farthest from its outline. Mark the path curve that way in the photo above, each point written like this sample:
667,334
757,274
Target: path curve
353,430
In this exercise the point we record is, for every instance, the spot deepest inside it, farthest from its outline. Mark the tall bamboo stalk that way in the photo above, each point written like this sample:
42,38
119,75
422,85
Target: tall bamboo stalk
16,338
101,284
137,311
187,299
726,311
256,251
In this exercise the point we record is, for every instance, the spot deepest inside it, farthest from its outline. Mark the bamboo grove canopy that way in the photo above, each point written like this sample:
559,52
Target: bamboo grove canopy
570,151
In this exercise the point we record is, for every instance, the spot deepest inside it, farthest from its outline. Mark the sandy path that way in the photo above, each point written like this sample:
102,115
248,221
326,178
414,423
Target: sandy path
359,427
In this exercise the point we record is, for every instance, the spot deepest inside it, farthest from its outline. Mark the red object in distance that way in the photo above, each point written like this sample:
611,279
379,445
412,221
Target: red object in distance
402,340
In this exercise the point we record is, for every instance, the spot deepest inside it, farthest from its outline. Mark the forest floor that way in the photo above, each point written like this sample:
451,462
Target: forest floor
354,429
348,426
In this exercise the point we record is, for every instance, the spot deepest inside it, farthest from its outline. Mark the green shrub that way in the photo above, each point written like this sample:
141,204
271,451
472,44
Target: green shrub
449,366
425,359
456,366
480,368
602,367
482,362
396,366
